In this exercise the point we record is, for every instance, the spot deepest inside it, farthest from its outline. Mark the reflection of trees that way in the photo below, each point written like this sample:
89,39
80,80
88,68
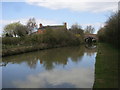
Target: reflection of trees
32,63
49,57
77,53
30,60
59,56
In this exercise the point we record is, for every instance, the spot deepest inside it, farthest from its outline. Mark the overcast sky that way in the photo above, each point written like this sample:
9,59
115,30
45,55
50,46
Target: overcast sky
53,12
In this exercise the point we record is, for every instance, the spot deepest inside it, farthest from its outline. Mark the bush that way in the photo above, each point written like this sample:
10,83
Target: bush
33,39
10,40
50,37
101,34
55,37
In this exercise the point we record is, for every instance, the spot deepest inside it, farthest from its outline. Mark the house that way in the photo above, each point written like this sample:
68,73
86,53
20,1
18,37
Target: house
42,28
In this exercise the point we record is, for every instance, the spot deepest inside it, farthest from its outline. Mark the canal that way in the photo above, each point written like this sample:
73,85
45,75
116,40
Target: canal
66,67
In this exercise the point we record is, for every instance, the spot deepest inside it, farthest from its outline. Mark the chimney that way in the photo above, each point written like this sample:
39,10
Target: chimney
40,25
65,24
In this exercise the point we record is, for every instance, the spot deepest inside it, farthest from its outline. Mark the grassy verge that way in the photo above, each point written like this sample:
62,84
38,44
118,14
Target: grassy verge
106,67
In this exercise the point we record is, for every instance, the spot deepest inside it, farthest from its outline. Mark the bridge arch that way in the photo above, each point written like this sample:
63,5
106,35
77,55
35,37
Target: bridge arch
90,38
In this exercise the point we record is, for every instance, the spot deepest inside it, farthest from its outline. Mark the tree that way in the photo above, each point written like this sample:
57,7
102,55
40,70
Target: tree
21,30
31,24
89,30
9,30
75,28
101,34
111,31
15,29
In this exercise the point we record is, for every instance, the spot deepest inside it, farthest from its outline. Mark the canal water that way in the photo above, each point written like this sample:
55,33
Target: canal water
66,67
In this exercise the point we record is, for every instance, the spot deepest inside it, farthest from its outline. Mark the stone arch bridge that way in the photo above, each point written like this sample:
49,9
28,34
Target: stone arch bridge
89,38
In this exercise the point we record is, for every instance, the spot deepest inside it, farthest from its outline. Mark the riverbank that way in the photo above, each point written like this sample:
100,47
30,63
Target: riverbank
49,39
25,49
106,67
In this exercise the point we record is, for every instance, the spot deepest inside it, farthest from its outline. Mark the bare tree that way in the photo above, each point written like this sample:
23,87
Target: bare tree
31,24
89,30
75,28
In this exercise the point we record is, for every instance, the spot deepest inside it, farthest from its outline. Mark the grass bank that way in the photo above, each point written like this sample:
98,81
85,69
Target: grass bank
106,67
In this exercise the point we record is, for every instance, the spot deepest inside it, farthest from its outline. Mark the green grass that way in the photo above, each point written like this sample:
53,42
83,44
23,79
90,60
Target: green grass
106,67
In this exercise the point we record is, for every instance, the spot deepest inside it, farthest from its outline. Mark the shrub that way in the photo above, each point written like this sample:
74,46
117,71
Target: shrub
10,40
55,37
50,37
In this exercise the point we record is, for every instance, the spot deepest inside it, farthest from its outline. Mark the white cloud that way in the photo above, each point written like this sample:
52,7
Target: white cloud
96,25
4,22
24,21
12,0
93,24
77,5
61,0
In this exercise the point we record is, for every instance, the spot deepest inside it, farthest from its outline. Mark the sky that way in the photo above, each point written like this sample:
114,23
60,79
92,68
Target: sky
56,12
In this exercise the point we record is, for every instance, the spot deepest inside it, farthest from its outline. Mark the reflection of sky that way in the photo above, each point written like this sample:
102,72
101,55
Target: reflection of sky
78,74
75,77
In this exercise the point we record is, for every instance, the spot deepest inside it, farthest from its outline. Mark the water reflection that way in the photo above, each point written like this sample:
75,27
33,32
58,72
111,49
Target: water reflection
60,67
47,57
90,48
58,78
